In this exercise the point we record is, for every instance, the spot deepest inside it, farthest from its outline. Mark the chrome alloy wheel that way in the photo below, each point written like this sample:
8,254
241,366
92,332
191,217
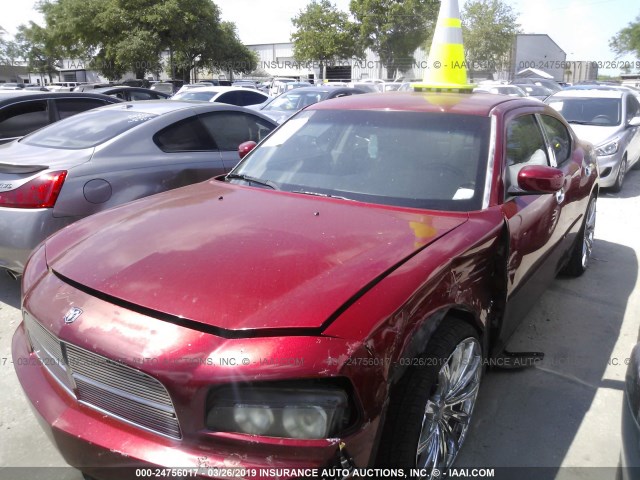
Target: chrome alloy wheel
588,234
448,411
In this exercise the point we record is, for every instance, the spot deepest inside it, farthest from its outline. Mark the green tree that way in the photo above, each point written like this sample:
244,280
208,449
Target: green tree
10,52
132,35
232,55
627,40
394,29
489,28
324,34
39,50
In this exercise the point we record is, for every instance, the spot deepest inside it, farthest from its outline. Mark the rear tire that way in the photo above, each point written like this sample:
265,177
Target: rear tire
583,248
430,408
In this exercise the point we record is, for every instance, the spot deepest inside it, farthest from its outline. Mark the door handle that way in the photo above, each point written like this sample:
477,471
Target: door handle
560,195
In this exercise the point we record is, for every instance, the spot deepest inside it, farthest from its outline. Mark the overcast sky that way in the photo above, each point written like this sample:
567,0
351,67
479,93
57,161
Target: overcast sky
582,28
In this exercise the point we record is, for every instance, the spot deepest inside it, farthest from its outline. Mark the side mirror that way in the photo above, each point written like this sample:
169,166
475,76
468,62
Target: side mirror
535,179
634,122
245,148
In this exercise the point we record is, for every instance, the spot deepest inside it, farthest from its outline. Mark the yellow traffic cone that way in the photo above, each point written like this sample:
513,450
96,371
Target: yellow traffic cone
446,67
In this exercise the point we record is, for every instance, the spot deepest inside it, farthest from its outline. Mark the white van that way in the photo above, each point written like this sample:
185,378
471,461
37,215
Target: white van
277,85
62,86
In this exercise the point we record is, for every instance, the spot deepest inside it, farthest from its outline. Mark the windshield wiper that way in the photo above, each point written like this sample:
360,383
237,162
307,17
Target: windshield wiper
249,179
318,194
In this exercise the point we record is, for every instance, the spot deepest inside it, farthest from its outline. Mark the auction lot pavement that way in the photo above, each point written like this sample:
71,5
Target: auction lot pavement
565,412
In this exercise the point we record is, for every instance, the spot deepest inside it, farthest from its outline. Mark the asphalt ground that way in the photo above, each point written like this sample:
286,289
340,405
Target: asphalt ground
563,414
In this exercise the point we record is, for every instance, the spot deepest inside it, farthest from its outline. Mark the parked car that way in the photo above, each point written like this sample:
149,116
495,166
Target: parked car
511,90
231,95
367,87
169,87
541,82
329,303
191,86
535,91
89,87
132,94
609,119
62,86
109,156
11,86
137,82
282,107
276,86
24,111
244,84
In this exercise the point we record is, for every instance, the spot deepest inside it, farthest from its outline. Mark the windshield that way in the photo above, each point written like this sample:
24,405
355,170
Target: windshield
86,130
194,95
589,111
295,100
412,159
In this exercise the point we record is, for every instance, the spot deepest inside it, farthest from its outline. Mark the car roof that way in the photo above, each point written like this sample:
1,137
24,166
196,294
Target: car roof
591,93
315,90
161,107
220,89
123,87
464,103
36,94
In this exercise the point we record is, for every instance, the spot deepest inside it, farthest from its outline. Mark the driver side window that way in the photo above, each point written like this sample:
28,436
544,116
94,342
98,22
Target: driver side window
525,146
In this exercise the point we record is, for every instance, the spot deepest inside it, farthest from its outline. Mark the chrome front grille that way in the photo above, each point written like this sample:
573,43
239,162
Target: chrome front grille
104,384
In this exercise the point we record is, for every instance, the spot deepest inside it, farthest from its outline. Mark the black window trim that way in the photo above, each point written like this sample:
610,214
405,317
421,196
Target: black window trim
51,114
551,152
510,117
201,131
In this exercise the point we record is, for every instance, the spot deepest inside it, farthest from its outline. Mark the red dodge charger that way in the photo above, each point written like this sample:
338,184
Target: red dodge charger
329,303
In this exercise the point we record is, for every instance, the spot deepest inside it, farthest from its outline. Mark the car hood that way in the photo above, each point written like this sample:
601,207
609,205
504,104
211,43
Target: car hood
240,258
595,134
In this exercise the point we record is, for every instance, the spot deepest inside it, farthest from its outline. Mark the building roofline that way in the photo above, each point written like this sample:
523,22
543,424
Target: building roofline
541,35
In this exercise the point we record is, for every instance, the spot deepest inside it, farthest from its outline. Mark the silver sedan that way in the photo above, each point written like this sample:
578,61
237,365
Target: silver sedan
112,155
610,119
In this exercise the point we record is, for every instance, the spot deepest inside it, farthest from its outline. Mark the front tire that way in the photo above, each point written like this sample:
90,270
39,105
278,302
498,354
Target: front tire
622,171
583,248
430,409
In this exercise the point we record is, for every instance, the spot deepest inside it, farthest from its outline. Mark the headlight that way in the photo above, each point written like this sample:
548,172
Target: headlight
305,412
608,148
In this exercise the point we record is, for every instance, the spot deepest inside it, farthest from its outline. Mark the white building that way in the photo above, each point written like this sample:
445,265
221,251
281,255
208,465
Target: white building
276,59
539,51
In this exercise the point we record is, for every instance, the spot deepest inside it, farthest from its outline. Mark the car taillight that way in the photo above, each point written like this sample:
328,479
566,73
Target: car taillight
41,192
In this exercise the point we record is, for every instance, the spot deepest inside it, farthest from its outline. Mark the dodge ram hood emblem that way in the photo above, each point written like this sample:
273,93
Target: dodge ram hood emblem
72,315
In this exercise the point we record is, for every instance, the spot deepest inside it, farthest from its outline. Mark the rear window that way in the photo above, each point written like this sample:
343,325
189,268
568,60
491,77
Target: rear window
87,129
